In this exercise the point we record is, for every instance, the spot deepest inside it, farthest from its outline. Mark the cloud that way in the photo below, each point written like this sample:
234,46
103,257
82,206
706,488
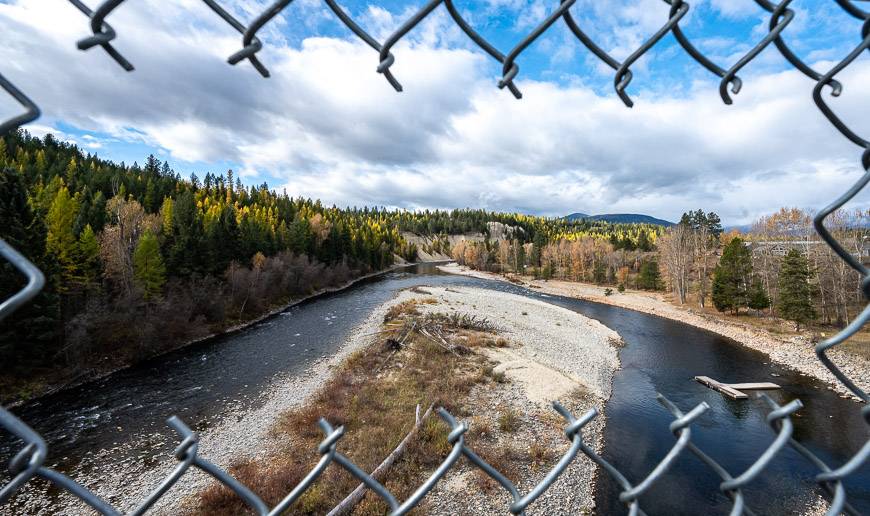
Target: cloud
326,125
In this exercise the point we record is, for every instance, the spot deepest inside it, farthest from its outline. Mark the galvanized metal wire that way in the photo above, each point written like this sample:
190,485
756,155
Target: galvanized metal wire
29,462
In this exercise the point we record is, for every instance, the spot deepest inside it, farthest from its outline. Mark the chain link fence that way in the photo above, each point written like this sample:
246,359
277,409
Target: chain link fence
29,461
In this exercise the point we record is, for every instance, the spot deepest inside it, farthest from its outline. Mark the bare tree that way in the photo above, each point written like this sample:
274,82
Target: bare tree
676,251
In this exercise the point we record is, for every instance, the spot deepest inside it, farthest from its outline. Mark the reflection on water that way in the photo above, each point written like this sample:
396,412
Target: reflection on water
204,383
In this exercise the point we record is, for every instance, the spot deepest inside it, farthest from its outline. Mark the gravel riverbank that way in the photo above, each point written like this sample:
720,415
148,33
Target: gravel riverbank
242,433
795,353
554,355
548,343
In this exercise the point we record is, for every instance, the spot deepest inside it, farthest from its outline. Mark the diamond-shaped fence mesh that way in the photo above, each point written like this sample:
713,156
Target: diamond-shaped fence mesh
29,462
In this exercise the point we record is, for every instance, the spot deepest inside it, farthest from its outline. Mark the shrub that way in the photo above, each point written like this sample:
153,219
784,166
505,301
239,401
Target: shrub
508,420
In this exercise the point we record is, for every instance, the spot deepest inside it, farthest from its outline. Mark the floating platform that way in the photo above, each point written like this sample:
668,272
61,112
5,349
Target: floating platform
734,390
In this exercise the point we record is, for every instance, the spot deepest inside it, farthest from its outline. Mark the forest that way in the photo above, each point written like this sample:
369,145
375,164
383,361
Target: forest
140,261
779,270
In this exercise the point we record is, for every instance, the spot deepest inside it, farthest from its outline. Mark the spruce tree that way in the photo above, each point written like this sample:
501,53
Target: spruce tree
731,278
795,292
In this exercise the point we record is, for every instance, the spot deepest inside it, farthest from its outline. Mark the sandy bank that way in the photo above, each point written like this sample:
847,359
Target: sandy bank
794,353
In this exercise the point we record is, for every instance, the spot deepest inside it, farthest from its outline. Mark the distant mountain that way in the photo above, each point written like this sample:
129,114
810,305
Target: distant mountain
621,218
743,228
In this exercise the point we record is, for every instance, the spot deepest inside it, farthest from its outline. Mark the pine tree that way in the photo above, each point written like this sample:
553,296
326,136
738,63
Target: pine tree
88,255
649,277
166,214
148,268
643,242
795,292
36,322
758,298
41,164
150,200
60,240
71,170
731,278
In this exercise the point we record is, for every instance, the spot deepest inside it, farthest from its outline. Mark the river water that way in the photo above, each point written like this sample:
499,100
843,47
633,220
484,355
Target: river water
205,383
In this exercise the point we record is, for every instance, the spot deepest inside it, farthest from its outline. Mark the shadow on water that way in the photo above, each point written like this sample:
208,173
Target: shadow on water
203,384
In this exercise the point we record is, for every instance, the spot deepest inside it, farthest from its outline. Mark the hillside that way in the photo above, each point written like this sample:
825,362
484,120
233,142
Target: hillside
621,218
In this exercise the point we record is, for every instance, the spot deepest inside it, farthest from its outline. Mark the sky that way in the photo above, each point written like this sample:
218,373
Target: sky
326,125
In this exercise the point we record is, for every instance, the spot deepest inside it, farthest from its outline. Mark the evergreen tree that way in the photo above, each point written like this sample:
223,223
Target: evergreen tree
186,235
643,242
538,243
732,277
758,298
795,292
166,214
36,322
599,273
148,268
150,200
88,255
649,277
71,173
60,239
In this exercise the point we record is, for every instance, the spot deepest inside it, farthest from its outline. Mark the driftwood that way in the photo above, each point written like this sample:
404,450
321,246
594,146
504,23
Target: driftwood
441,341
395,346
357,495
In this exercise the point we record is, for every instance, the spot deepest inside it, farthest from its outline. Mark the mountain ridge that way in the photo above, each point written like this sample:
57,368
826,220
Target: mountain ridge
621,218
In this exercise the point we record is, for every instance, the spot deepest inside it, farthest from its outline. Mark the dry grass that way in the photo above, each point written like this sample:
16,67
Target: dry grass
508,420
402,310
504,459
461,321
858,345
479,430
377,412
540,455
480,339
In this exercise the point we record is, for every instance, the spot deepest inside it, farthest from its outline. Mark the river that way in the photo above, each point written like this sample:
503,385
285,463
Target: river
204,383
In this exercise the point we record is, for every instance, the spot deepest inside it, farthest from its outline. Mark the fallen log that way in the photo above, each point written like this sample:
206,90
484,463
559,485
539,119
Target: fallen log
355,497
443,343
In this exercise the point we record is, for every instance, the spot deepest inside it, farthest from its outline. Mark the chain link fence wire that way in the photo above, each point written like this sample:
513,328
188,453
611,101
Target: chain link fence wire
29,461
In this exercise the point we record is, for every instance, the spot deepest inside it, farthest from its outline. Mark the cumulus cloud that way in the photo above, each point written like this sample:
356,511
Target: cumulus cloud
326,125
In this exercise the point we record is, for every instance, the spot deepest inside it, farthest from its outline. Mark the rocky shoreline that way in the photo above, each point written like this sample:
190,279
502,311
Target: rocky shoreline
242,434
796,353
554,354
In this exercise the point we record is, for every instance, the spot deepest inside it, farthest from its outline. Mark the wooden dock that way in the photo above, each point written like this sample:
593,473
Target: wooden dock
734,390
